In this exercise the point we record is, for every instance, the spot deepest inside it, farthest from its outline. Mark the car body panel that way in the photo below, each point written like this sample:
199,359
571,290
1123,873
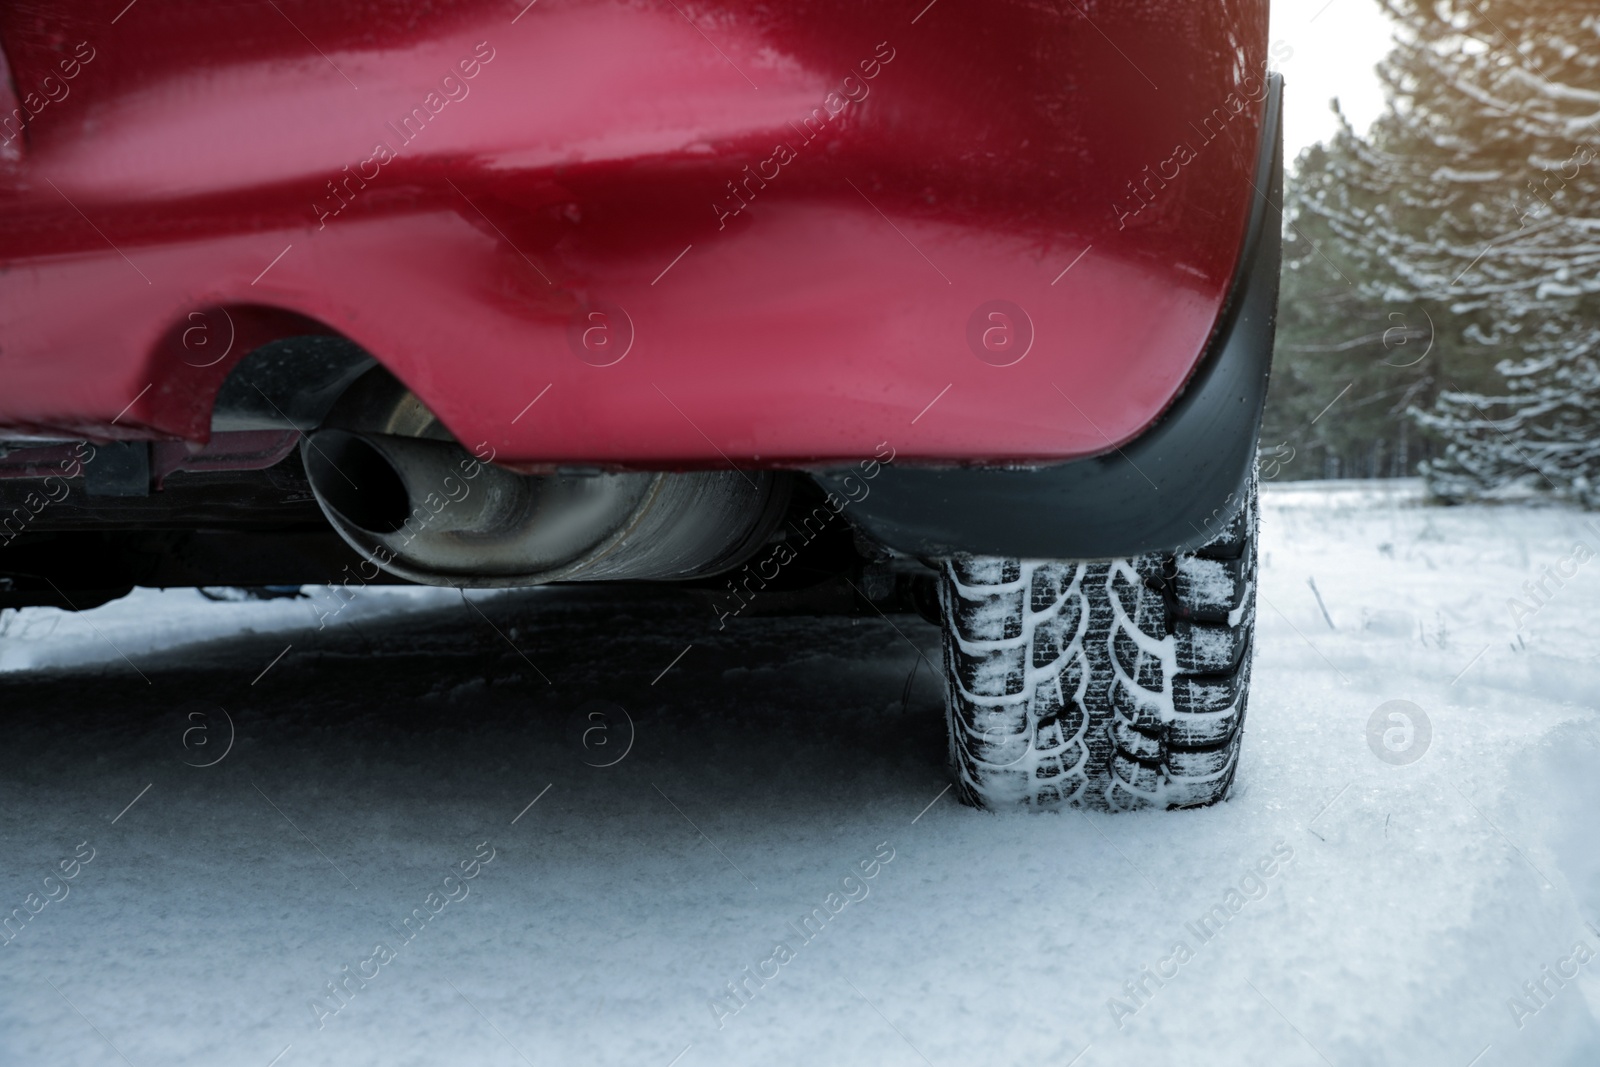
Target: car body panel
1173,487
173,204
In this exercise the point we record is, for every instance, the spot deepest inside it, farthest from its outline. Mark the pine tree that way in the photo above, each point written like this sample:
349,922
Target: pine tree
1349,361
1477,194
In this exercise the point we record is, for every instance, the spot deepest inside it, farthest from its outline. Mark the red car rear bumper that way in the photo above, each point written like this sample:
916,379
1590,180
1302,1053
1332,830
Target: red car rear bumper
794,223
1174,486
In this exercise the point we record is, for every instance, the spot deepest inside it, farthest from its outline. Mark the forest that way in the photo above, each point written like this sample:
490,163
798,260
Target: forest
1438,313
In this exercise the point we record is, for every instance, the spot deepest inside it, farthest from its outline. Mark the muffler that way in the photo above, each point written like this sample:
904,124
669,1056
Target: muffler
426,509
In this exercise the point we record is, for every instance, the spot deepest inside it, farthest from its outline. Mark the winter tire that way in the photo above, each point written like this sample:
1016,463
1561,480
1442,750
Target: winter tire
1112,685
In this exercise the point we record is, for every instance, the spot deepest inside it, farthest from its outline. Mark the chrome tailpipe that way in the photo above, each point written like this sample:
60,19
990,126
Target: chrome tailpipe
425,509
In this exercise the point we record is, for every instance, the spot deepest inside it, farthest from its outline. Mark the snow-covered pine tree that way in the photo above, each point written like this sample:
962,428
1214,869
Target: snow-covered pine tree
1478,193
1348,363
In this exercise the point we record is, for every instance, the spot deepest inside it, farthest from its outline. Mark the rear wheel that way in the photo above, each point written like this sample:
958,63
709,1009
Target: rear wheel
1116,685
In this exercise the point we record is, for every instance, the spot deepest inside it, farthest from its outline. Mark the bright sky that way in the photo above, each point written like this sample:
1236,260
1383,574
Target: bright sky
1336,44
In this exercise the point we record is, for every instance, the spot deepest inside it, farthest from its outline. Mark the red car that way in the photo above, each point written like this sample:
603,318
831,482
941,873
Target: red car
958,307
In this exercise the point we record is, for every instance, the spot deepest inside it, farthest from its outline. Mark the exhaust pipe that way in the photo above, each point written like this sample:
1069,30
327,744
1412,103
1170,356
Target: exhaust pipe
427,510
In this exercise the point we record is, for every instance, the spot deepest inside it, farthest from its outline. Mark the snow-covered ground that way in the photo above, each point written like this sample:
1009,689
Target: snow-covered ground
1384,891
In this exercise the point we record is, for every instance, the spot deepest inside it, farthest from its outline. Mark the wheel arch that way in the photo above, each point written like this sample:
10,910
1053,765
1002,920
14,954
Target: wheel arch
247,366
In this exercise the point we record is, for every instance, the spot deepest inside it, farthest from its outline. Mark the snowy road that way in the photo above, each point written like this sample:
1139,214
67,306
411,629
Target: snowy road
1370,909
